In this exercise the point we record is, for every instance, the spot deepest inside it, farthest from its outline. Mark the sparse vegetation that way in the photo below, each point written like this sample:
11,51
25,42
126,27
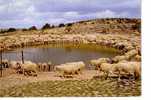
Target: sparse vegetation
11,30
8,30
61,25
46,26
69,24
94,87
33,28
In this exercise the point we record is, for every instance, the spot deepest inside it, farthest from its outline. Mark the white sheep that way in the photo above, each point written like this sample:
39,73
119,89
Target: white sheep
12,64
70,68
39,67
120,58
29,68
15,65
50,66
123,68
44,67
130,68
107,68
97,62
131,53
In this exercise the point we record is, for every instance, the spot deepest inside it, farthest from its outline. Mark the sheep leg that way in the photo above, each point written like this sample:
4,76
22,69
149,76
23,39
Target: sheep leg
49,67
44,68
79,71
136,76
25,73
109,75
76,72
119,75
106,77
103,73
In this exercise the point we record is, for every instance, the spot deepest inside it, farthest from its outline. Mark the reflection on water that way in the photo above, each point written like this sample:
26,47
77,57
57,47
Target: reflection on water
59,54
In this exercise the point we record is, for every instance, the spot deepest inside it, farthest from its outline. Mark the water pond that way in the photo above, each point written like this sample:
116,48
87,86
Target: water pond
61,53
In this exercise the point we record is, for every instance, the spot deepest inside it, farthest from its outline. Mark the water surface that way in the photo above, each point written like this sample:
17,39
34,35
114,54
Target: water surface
59,54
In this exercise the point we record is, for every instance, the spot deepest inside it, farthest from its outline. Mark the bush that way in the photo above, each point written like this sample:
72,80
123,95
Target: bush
11,30
69,24
46,26
61,25
33,28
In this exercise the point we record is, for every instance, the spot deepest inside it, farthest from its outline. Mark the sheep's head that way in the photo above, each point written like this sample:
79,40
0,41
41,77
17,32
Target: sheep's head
18,65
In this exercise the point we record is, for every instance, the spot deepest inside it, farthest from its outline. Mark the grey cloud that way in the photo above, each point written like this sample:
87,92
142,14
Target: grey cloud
23,13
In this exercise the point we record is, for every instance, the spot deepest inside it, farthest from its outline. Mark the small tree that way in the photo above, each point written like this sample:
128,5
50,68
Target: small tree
46,26
11,30
33,28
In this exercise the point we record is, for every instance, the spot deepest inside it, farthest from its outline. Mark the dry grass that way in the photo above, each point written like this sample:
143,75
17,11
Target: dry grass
48,84
93,87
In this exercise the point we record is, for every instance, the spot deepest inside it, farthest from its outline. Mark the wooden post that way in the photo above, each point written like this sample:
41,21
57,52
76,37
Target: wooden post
1,67
22,56
22,53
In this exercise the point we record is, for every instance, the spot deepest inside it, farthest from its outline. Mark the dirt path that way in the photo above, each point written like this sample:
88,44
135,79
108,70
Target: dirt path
18,80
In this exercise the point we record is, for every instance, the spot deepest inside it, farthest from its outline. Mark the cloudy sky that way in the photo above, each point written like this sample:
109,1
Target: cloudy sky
25,13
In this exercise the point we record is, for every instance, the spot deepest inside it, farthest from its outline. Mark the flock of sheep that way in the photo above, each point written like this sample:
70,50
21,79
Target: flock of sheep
116,41
27,68
129,63
119,65
129,68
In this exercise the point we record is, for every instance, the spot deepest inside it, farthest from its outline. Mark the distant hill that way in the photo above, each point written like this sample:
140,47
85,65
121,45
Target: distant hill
102,26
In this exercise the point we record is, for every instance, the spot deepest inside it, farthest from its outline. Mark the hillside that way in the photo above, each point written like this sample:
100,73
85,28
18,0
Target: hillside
102,26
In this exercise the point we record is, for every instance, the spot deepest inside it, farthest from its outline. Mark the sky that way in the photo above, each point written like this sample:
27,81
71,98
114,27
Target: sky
26,13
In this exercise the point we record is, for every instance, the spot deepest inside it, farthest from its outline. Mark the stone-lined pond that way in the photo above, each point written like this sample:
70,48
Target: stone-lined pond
61,53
